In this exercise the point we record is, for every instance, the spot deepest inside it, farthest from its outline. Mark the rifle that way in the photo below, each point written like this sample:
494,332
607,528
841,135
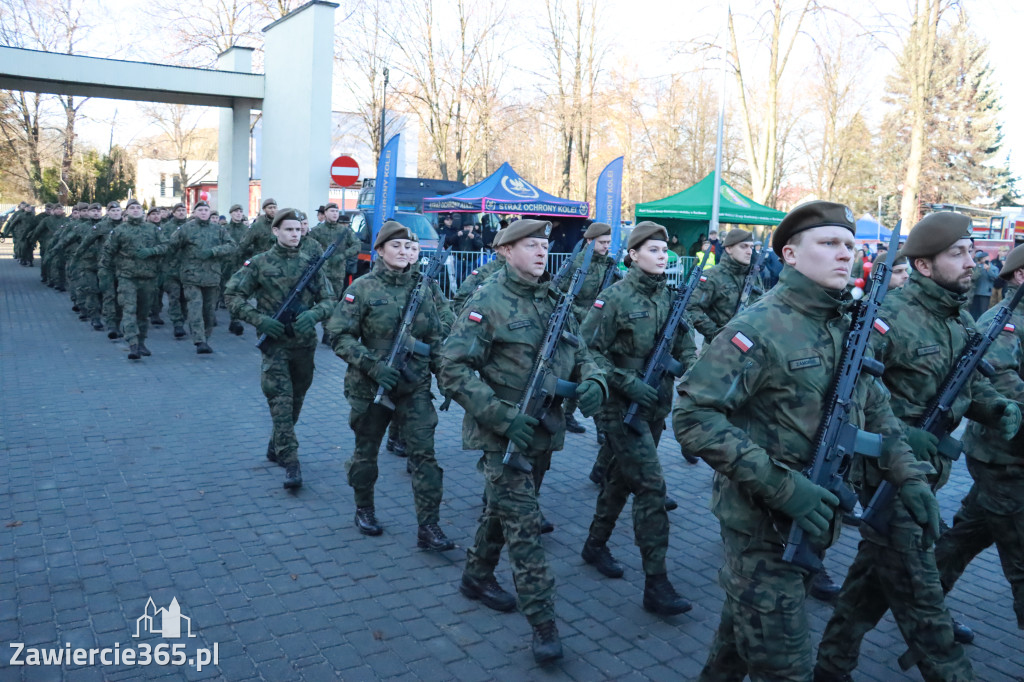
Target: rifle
753,273
544,391
838,439
936,418
405,345
556,281
660,360
292,305
612,269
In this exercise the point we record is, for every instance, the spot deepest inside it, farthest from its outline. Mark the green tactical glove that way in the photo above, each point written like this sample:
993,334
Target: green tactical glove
810,506
386,377
205,254
305,322
144,253
446,404
640,393
520,431
1009,423
919,500
924,444
589,397
274,329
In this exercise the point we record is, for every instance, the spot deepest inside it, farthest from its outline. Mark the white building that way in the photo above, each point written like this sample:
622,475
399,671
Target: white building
157,180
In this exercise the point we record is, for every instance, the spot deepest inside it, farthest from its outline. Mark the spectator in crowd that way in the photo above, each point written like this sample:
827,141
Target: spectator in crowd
696,246
999,286
984,276
468,244
716,244
705,248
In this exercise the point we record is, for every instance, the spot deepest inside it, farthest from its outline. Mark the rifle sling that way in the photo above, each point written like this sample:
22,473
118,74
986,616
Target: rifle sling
629,361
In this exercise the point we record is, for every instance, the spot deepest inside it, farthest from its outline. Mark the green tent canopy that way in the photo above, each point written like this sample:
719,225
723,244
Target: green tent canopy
695,204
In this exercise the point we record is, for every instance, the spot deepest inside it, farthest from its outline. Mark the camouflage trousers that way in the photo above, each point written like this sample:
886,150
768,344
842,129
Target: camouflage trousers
897,575
763,632
111,305
226,273
633,468
285,376
135,296
202,310
512,515
87,292
176,303
991,513
416,420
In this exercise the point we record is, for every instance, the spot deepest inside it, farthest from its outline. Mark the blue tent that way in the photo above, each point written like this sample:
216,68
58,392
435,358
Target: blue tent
504,191
869,228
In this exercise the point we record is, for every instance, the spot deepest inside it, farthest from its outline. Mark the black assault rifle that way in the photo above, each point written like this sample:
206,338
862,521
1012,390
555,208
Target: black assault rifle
292,305
937,417
405,345
838,439
753,274
660,360
544,390
612,269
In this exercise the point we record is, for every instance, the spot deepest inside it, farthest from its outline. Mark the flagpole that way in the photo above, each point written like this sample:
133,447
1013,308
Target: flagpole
717,194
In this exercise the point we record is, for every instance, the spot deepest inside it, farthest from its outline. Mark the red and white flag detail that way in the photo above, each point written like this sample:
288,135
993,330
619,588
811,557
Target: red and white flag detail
475,317
1009,327
349,298
742,342
599,303
880,326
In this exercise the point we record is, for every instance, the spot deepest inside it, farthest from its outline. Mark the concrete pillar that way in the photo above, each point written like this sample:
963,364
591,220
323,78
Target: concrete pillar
233,145
296,145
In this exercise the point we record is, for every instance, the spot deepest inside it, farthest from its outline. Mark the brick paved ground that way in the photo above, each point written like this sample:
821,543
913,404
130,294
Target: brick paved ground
124,481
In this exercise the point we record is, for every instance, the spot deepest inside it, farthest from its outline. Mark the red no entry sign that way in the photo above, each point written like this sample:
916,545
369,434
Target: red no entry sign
344,171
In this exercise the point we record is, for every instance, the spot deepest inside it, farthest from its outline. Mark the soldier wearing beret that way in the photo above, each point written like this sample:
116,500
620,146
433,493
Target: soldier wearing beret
89,251
919,335
900,273
486,362
621,329
363,327
12,221
260,237
993,511
83,267
23,232
237,228
718,297
57,257
326,233
170,282
287,369
751,407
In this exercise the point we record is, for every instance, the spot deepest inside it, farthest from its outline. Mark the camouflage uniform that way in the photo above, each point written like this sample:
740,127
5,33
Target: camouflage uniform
84,263
621,329
751,406
485,364
362,328
287,370
170,282
91,248
919,335
336,267
22,231
229,265
136,276
54,264
200,245
258,239
475,280
715,302
42,233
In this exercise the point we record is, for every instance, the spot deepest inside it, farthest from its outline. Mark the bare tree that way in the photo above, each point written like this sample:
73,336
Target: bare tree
201,31
179,125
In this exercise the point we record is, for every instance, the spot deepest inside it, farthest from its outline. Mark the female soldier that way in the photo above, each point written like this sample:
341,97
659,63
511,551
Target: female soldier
362,328
621,329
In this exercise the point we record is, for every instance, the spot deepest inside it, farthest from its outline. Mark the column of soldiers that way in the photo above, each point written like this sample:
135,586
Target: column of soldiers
749,404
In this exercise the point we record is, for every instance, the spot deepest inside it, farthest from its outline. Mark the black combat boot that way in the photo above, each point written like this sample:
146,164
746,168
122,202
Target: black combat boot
133,352
396,447
661,598
272,451
488,592
430,536
326,340
366,521
596,554
179,331
83,316
822,675
157,320
600,437
690,459
670,504
236,328
292,477
961,633
597,476
546,526
203,348
823,588
75,309
546,644
112,334
142,349
573,426
97,324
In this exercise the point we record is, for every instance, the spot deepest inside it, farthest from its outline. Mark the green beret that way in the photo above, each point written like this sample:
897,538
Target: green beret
644,231
81,205
153,210
900,260
132,202
810,215
497,236
935,233
113,204
286,214
95,206
269,202
236,207
521,229
1014,262
393,229
597,230
177,206
330,206
200,203
737,236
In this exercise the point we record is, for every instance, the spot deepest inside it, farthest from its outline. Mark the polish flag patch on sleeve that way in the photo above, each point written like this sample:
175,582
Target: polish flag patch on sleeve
475,317
475,272
246,263
1009,327
741,341
703,278
598,304
349,298
880,326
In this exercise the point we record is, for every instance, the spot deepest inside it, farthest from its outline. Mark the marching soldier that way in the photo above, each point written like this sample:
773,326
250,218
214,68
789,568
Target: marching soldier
288,358
260,236
85,263
486,362
751,406
22,230
326,233
237,229
477,277
105,276
720,290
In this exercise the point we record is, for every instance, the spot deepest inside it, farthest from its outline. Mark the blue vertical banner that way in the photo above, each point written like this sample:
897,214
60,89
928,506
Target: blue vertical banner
384,188
608,202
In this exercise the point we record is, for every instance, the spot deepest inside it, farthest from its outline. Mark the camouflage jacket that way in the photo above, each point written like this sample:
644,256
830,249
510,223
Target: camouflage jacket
489,356
28,225
88,252
237,231
65,231
591,283
118,254
311,247
364,324
201,246
621,330
754,401
326,234
475,280
258,239
1006,355
716,299
11,222
76,236
171,266
44,230
268,277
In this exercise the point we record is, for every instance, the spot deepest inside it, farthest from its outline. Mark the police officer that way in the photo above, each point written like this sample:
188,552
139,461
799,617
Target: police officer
751,407
718,297
287,369
486,362
920,333
362,328
621,329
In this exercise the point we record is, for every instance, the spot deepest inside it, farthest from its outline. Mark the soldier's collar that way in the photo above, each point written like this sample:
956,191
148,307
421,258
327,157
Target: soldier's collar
522,286
646,283
933,297
801,293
